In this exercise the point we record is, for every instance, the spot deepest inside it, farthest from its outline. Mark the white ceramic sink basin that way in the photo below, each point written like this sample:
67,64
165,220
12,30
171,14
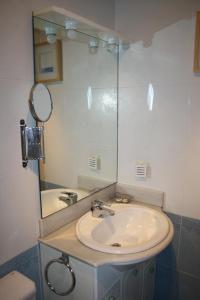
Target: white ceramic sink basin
133,228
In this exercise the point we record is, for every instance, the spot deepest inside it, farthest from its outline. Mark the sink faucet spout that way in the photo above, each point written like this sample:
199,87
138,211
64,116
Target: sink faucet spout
100,209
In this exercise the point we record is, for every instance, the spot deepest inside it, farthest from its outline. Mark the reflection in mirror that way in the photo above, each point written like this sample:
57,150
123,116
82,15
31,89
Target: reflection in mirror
41,103
81,135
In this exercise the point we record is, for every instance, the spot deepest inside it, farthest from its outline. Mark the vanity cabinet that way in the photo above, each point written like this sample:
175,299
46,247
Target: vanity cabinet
107,282
131,283
149,280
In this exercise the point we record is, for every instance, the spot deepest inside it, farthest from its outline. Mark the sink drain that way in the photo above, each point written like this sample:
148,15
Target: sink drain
115,245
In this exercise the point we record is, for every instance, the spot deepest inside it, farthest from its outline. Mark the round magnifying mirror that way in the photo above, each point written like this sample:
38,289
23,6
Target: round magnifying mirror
41,105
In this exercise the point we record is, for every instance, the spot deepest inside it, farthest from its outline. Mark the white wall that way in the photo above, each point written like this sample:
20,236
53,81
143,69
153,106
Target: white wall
19,191
158,67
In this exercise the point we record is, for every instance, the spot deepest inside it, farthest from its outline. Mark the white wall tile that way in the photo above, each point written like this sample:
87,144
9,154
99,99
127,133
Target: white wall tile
159,67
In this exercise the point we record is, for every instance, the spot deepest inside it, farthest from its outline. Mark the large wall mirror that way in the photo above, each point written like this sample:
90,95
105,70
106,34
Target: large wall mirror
80,71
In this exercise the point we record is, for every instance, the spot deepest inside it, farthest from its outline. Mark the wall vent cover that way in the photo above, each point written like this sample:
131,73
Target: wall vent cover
141,170
93,162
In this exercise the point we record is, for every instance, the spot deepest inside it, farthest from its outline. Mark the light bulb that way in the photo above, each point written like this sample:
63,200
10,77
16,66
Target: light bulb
93,46
71,34
51,34
111,45
51,38
71,26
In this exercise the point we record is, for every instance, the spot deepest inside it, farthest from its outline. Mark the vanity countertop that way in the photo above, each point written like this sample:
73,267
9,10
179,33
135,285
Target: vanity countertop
65,240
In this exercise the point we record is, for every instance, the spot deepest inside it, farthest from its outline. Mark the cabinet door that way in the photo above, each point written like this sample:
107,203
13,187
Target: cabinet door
113,293
149,281
131,284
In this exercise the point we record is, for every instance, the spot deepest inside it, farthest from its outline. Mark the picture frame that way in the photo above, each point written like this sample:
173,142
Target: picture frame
48,62
196,67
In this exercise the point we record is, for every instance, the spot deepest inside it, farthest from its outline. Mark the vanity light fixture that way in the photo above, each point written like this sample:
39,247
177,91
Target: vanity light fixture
71,27
51,34
93,46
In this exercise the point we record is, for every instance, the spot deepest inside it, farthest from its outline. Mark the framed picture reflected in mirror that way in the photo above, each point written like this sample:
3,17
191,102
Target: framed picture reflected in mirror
48,62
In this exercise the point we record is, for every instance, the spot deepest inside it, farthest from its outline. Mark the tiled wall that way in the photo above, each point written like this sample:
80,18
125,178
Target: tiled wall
178,266
159,123
26,263
159,105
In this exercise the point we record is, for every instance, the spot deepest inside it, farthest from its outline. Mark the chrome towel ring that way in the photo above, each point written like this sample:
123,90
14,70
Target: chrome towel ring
64,260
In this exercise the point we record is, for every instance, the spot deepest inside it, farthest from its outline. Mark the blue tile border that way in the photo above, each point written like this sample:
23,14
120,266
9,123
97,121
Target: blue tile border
167,284
189,254
169,257
188,287
178,266
27,263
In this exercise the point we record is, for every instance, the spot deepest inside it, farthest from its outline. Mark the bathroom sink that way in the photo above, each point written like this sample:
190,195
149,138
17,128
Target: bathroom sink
134,228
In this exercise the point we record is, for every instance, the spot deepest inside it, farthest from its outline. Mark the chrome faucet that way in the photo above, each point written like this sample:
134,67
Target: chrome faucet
68,197
100,209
